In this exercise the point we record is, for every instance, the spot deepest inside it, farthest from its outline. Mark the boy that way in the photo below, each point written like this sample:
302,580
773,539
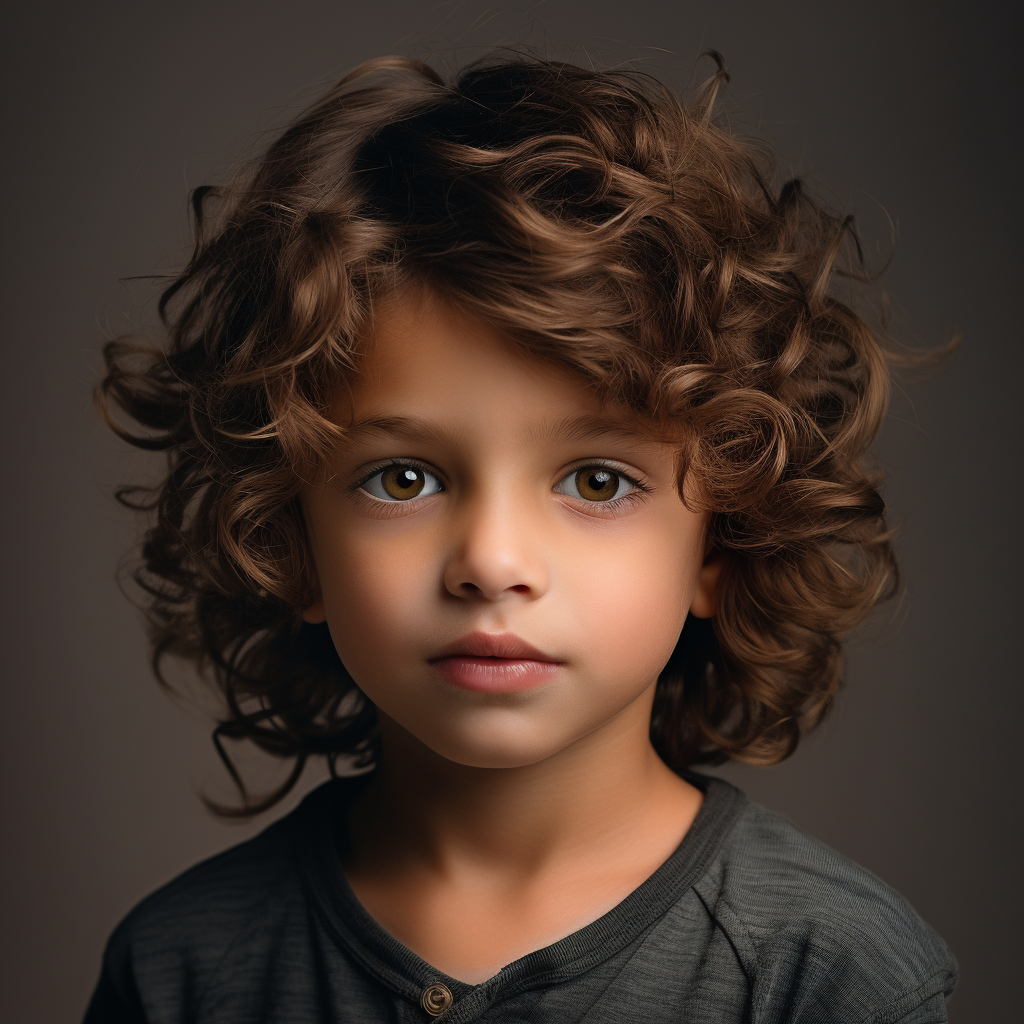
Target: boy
516,456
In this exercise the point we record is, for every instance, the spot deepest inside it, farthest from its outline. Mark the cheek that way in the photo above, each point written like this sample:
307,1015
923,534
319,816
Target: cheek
373,594
631,611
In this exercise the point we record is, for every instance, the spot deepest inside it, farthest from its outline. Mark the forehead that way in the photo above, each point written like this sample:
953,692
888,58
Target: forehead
430,367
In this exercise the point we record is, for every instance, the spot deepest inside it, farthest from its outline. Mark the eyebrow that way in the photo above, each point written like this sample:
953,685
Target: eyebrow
590,428
569,429
404,427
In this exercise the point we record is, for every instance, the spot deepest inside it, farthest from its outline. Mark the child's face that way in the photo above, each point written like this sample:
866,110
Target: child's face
489,492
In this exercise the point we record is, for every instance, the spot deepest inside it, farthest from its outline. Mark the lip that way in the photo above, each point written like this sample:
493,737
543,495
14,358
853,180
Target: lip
492,645
494,663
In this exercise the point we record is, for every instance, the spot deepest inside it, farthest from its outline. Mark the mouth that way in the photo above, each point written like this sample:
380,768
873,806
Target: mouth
494,663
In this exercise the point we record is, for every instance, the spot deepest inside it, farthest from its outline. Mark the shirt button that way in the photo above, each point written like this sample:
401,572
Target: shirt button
436,999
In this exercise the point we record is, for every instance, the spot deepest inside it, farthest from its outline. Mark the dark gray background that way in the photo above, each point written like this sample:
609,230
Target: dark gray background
115,109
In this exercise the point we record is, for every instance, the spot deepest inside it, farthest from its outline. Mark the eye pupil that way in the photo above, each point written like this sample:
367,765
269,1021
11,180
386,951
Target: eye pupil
403,481
597,484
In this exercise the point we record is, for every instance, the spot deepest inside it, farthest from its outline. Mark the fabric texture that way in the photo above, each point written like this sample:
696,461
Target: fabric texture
750,920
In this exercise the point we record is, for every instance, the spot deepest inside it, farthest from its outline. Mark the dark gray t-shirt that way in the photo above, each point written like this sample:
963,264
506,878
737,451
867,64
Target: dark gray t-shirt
749,920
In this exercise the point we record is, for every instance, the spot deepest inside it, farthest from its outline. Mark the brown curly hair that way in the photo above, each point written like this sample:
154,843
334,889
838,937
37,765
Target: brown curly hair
606,225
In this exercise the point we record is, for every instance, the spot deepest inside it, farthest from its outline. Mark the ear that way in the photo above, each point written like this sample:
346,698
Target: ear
705,595
315,612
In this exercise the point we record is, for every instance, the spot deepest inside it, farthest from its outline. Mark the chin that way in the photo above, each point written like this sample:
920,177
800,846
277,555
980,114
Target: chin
493,746
493,755
479,758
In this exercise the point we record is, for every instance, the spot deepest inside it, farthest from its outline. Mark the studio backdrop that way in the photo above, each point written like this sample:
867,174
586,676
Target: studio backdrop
903,114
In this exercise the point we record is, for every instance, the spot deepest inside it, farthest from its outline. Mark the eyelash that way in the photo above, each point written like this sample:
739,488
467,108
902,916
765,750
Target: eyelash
609,508
381,505
614,506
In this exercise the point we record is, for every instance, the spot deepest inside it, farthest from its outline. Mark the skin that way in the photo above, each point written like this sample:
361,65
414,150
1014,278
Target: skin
498,823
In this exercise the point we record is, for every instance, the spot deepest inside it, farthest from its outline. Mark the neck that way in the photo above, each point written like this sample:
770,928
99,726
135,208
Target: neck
586,801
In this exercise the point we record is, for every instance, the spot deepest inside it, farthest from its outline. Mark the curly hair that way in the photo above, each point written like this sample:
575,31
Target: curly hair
603,223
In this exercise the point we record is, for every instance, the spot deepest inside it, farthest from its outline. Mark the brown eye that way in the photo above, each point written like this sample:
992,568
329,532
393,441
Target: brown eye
401,481
598,484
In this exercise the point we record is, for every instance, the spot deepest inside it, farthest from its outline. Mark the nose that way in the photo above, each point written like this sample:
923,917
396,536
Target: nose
497,553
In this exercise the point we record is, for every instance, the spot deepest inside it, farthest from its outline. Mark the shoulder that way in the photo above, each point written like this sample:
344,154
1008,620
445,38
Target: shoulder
167,951
818,934
214,895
